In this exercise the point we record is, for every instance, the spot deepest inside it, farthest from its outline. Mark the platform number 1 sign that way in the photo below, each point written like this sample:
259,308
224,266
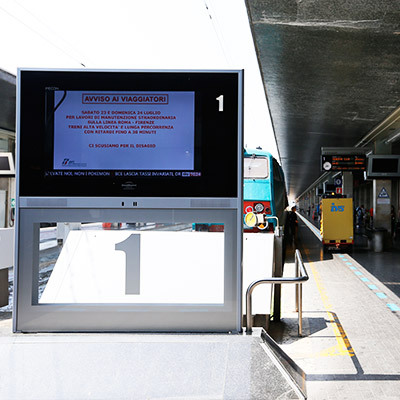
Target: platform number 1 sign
131,247
220,100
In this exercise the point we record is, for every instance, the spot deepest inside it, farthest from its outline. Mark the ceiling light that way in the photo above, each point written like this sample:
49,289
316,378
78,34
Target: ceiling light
393,137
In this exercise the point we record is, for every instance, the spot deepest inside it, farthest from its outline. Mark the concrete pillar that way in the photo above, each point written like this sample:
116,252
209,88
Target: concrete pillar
381,201
348,184
363,197
381,188
3,208
381,147
63,229
11,202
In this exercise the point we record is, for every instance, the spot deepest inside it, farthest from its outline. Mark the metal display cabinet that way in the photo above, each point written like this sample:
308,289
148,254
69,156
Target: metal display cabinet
86,290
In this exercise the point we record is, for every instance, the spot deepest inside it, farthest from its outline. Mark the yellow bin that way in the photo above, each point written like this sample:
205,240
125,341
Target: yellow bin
337,222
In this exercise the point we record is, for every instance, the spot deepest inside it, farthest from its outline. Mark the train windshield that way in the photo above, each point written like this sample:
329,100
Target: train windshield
256,168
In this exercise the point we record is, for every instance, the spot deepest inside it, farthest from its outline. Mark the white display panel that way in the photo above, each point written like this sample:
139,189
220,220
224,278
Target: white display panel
141,276
123,130
92,268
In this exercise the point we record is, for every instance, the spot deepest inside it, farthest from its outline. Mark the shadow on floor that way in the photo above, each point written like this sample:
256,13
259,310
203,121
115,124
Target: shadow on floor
286,330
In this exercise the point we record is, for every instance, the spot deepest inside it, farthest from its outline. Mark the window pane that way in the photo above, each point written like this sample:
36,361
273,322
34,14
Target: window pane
256,167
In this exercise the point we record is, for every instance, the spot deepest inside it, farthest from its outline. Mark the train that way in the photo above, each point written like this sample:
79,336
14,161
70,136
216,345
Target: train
264,194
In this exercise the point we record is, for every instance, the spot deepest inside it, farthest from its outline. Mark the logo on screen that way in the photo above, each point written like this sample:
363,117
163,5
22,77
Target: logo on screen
129,186
71,163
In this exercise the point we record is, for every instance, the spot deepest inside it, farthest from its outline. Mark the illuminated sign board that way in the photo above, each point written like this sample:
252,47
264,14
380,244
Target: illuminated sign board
343,162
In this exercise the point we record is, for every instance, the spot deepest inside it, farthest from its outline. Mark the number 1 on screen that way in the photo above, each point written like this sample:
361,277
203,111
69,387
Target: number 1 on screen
220,100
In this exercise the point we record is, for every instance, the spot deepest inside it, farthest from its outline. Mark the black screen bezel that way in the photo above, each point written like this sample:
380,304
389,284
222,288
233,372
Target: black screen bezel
216,134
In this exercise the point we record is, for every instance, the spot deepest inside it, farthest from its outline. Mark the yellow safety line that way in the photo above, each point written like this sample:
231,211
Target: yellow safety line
343,346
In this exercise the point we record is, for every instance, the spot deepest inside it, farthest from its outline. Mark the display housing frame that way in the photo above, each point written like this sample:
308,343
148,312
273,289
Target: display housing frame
222,201
215,133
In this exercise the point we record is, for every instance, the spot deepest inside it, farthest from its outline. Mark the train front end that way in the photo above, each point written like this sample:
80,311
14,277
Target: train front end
258,206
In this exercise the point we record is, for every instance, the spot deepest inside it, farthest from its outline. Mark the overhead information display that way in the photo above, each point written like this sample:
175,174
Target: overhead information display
343,162
123,130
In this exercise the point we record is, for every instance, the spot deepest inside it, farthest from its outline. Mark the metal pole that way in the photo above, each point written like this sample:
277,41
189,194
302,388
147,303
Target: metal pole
296,263
300,309
277,272
249,324
274,280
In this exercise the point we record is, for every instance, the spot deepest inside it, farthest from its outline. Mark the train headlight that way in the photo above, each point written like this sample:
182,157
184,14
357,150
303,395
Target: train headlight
259,207
248,209
250,220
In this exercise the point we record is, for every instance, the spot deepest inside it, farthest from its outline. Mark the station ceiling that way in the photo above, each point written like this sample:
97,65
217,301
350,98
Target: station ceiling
331,71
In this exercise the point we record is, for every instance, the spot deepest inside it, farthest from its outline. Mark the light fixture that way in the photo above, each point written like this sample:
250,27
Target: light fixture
393,137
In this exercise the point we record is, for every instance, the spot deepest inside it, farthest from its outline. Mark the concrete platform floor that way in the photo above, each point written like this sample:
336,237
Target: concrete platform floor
139,366
350,347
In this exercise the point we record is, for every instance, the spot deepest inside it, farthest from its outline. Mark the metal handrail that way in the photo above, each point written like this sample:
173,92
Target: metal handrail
298,280
277,231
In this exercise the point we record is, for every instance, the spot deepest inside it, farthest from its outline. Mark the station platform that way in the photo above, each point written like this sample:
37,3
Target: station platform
350,347
140,367
129,365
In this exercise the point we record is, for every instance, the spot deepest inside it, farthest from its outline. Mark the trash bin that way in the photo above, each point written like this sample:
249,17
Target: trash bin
378,237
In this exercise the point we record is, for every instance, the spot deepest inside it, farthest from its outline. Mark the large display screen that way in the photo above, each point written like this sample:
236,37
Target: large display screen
383,166
128,133
139,131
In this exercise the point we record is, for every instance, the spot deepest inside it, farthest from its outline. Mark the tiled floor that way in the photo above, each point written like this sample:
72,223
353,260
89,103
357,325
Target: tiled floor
350,347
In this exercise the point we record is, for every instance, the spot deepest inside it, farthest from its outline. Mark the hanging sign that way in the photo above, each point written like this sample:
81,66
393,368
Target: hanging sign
338,182
343,162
